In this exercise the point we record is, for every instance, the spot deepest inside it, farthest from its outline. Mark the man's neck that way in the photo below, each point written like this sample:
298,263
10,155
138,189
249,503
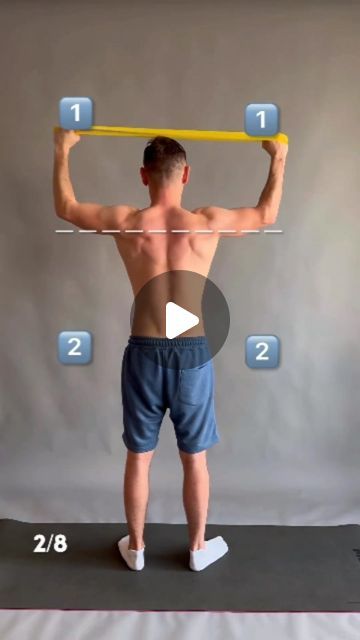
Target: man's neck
165,198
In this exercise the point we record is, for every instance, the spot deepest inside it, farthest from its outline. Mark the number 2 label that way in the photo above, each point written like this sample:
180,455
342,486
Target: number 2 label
75,347
73,351
262,351
261,355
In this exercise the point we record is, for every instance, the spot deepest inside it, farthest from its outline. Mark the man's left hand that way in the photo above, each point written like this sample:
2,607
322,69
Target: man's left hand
64,139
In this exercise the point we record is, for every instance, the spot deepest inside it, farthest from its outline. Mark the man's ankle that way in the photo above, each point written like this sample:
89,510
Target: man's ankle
199,544
135,544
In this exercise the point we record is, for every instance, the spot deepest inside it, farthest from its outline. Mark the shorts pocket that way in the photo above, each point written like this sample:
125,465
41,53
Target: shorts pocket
195,384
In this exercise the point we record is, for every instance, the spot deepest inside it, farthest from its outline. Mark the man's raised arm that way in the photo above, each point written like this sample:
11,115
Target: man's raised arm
266,211
86,215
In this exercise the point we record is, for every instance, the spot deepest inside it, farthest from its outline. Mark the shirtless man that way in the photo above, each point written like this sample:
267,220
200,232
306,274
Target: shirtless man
147,254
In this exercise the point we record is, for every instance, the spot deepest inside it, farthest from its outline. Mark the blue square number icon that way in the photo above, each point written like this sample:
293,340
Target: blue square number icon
75,347
262,120
262,352
76,113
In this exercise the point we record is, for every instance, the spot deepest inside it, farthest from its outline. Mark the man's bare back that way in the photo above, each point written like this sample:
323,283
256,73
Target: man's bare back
166,241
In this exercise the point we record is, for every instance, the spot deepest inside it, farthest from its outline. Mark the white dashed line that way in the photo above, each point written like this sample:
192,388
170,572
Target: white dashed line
169,231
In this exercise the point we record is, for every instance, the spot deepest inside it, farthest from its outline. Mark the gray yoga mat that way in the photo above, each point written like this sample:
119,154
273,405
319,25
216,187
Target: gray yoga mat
267,568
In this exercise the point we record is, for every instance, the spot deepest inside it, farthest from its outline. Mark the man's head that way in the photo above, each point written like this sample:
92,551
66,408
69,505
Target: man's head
164,163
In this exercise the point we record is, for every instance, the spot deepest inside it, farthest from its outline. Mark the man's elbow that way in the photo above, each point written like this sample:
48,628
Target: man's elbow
60,212
63,210
269,215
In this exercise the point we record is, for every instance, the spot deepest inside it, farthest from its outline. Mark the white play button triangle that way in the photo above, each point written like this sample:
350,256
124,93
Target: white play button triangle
178,320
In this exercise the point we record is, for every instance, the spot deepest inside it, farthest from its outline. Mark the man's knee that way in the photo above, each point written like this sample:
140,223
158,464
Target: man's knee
193,459
144,457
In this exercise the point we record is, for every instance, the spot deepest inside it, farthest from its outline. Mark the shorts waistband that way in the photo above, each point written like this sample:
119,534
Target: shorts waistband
164,343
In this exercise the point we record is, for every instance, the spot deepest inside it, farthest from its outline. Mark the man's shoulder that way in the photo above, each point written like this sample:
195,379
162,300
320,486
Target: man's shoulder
126,208
206,211
124,213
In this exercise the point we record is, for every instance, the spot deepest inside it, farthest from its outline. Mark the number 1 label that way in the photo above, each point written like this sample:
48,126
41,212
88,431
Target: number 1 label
76,108
76,113
262,118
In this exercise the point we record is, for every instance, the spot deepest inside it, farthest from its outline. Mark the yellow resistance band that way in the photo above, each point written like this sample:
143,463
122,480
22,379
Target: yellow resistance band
185,134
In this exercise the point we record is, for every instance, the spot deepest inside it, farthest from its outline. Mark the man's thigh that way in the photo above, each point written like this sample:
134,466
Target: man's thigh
143,403
192,409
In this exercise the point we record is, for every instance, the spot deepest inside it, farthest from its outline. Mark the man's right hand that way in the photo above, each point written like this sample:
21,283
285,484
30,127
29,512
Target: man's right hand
65,139
275,149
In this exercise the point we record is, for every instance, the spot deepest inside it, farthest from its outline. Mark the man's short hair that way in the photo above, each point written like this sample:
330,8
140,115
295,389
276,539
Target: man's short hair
163,157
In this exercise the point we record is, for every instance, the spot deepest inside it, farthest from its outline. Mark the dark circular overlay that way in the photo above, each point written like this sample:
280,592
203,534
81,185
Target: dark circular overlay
193,293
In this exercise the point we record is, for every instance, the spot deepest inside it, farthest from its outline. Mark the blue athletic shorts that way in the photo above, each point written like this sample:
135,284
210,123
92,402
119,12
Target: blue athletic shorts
159,374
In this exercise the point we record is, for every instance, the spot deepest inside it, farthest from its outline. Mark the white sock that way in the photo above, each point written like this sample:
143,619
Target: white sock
134,558
214,549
